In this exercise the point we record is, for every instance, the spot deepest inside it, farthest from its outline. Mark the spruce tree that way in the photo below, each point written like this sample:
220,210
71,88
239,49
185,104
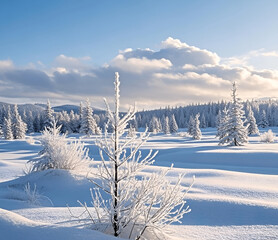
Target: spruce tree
218,123
37,123
19,127
223,121
173,124
48,115
88,123
235,133
203,123
252,126
196,132
7,127
154,125
30,122
166,128
263,120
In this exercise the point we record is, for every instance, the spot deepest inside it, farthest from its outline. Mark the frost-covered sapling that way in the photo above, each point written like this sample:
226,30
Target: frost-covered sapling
58,154
137,205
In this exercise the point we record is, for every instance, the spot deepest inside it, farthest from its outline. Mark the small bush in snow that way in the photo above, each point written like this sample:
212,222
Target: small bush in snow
183,134
29,194
267,137
58,154
32,195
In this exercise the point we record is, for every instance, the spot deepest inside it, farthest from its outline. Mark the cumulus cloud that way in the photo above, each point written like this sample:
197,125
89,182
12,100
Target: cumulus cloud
139,65
6,64
177,73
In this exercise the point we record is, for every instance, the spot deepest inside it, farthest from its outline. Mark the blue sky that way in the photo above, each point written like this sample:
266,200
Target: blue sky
167,52
41,30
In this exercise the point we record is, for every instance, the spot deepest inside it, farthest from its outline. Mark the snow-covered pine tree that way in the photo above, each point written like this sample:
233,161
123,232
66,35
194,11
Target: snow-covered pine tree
30,122
88,123
165,125
203,123
173,124
64,120
154,125
48,115
137,205
151,126
252,128
7,126
19,127
235,133
80,116
263,120
73,122
218,123
221,130
37,123
190,125
196,132
24,116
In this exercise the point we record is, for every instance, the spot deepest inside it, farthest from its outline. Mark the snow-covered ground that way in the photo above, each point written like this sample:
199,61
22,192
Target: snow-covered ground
235,194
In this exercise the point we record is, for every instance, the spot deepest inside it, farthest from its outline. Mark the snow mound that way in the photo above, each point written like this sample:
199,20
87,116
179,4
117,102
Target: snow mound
61,187
14,227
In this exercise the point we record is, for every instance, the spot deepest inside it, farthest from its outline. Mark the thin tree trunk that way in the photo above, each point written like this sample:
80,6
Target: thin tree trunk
115,223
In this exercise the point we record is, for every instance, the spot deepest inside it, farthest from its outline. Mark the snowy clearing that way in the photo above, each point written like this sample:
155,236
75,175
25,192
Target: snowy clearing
235,194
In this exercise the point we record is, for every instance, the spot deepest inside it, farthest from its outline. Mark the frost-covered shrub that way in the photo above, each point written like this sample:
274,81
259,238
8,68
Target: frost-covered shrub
267,137
32,195
29,194
183,134
137,207
58,154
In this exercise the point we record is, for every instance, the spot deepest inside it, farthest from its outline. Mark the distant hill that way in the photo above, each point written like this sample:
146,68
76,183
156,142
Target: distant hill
21,107
39,107
66,108
75,109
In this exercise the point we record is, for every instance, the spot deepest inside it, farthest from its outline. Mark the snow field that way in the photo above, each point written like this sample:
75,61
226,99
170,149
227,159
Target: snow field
235,194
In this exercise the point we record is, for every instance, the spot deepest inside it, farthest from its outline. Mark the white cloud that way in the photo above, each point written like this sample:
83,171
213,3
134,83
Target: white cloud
173,43
6,65
139,65
175,74
203,56
270,54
